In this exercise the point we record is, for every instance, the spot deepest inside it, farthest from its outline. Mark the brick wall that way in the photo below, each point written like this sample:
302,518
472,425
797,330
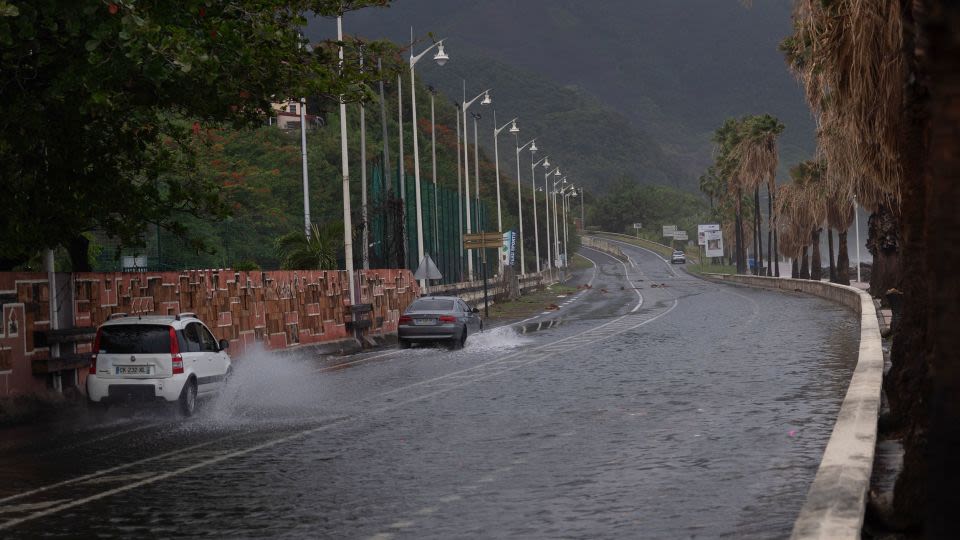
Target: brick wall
279,309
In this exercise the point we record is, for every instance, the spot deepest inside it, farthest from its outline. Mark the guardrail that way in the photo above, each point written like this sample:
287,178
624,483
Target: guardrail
497,289
837,498
602,245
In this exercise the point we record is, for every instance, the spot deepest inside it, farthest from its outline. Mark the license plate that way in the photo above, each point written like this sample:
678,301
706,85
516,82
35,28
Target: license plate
424,322
134,370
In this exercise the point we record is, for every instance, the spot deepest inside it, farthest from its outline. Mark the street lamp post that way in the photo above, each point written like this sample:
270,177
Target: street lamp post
565,194
347,225
536,227
441,58
496,160
303,157
363,180
533,149
459,200
400,174
551,194
433,153
466,161
556,225
583,219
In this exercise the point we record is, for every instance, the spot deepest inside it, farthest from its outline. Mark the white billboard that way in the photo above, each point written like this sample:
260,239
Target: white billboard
714,243
701,229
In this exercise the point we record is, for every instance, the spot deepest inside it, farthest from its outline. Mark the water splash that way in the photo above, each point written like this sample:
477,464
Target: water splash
495,339
268,387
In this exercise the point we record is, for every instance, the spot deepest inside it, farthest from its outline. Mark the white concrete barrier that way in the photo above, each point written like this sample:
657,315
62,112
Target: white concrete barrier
838,496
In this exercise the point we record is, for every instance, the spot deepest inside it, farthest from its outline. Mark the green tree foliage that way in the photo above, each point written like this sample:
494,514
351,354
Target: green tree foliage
653,206
106,105
318,251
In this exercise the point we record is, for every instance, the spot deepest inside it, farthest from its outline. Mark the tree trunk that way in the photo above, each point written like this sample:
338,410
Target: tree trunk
815,262
770,260
741,259
79,250
776,252
758,239
883,242
942,223
833,268
794,268
843,259
805,263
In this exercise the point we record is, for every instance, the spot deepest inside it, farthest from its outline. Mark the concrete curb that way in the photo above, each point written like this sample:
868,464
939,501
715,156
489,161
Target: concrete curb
838,496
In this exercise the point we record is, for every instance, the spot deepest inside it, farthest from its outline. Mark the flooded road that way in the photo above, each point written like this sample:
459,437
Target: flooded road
686,409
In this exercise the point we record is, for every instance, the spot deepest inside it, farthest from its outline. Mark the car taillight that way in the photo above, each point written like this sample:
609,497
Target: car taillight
405,319
176,360
448,318
93,354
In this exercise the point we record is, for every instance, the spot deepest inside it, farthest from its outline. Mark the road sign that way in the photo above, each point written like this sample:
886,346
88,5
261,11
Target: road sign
668,230
508,251
680,235
483,240
638,225
427,269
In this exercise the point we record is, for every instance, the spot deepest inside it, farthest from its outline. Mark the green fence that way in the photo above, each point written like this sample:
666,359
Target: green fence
394,232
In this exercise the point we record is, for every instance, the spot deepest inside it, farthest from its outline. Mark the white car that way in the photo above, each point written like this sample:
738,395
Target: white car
172,358
678,257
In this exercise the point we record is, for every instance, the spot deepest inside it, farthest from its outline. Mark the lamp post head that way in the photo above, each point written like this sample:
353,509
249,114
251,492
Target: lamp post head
557,173
533,147
546,162
486,99
513,127
441,56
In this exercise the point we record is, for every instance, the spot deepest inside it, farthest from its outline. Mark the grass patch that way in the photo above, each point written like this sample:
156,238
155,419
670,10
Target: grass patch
580,262
711,269
530,303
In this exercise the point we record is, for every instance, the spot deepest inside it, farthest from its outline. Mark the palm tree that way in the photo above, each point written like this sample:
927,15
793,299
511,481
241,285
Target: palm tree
840,216
758,158
297,251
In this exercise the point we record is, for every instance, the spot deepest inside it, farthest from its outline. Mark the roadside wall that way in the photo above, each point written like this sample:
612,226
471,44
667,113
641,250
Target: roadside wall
602,245
837,498
279,309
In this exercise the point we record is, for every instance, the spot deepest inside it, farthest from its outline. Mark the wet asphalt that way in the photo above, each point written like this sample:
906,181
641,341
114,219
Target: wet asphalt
652,404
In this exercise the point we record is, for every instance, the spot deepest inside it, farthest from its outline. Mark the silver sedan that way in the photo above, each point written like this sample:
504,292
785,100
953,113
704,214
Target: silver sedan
433,319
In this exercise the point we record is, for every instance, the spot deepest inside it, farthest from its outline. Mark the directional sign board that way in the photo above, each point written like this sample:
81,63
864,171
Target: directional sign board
680,235
668,230
483,240
638,225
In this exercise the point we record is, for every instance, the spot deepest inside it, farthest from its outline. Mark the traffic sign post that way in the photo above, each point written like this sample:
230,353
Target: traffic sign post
484,240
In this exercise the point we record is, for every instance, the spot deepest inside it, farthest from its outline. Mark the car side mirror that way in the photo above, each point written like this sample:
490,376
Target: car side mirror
475,310
224,344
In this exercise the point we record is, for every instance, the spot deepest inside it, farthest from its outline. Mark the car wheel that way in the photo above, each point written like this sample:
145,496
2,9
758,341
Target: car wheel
404,343
457,341
188,398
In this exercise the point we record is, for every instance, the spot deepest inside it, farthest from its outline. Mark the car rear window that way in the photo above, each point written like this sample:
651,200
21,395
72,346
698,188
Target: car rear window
432,304
135,339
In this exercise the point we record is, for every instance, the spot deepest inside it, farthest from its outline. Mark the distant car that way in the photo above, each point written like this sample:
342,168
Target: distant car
678,257
156,358
433,319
